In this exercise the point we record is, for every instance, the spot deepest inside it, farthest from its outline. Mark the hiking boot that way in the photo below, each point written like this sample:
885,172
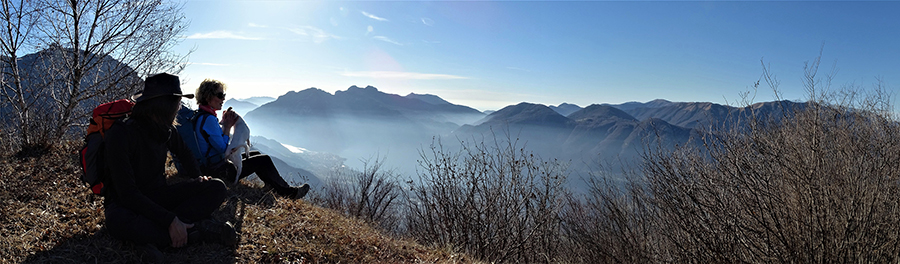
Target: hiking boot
212,231
301,191
150,254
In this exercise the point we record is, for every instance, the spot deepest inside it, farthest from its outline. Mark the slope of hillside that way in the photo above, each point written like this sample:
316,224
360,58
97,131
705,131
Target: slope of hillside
49,217
526,114
428,98
628,106
597,134
239,106
684,114
696,114
308,167
599,130
259,100
541,128
599,113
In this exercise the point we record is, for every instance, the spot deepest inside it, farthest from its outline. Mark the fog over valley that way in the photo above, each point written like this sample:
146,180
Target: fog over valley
316,132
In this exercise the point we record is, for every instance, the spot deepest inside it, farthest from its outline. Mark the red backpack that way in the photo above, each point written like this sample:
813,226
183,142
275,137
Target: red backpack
103,117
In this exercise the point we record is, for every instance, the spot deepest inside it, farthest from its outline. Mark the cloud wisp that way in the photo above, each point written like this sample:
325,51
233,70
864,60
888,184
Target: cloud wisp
427,21
388,40
317,35
373,16
221,34
402,75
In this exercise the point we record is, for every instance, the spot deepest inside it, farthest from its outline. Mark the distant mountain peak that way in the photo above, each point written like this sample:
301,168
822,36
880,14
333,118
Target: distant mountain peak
528,114
566,109
232,101
368,88
631,105
308,90
357,91
312,92
259,100
596,111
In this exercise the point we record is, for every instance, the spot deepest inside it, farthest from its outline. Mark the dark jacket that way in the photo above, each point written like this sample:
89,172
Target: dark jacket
135,153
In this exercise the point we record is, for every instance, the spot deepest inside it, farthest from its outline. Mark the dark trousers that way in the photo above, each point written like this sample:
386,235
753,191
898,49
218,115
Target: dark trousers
258,163
191,201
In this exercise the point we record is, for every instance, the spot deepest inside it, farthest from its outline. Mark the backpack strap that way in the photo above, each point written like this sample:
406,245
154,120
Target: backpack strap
209,160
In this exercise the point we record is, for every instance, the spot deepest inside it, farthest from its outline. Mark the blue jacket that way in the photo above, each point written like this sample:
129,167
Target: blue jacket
208,128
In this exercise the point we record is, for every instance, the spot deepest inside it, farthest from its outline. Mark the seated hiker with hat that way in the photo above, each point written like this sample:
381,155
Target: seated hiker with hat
140,206
213,140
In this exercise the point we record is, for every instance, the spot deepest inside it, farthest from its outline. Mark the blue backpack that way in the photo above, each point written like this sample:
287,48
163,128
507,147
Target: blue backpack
187,124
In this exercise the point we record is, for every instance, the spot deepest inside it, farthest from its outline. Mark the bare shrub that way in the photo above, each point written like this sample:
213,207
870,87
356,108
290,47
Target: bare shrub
817,184
17,102
819,187
614,224
370,194
497,202
88,52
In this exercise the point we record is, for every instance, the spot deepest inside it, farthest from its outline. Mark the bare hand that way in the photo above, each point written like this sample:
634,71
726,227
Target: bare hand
178,232
204,178
229,117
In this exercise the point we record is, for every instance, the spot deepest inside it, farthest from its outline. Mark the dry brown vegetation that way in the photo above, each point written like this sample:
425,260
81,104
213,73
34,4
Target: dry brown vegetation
370,195
818,185
497,202
49,216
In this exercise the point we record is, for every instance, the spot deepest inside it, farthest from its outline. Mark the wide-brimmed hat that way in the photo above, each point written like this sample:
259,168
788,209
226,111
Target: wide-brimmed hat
158,85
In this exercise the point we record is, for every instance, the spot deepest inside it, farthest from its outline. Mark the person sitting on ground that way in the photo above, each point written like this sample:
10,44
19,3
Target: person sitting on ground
213,141
140,206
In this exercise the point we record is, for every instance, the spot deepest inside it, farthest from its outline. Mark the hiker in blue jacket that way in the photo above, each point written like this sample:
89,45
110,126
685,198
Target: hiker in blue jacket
213,141
140,206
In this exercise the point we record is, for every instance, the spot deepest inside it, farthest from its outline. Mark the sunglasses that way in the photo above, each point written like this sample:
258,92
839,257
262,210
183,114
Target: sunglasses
221,95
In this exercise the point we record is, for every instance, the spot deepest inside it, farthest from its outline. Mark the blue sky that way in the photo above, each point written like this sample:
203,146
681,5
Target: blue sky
490,54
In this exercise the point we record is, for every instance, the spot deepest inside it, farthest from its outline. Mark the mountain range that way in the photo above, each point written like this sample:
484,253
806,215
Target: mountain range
45,93
362,123
358,123
246,105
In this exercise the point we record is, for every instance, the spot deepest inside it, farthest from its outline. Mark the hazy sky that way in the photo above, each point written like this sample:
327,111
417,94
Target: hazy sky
489,54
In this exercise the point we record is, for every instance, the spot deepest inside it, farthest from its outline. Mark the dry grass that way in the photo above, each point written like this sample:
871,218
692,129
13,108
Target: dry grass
49,216
819,186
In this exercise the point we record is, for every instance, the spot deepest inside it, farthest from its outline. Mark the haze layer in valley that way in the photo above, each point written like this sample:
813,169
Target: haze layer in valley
362,124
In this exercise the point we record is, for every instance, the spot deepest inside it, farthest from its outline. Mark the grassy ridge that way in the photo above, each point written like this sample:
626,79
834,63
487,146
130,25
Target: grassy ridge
49,216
